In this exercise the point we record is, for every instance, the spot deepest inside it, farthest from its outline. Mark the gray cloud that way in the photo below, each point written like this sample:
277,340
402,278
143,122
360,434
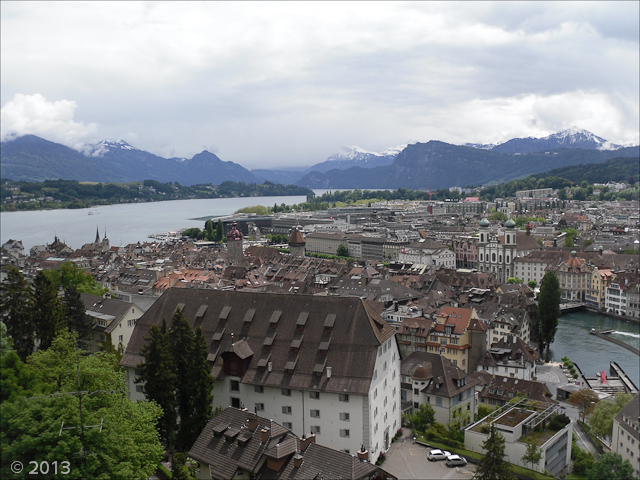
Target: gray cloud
290,82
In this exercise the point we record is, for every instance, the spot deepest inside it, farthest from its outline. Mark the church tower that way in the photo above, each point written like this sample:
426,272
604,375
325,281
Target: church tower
106,244
234,245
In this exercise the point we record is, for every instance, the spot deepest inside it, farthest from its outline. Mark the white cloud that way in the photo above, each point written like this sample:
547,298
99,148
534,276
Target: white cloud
35,115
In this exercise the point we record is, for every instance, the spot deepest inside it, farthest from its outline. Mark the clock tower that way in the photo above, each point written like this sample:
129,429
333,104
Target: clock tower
234,245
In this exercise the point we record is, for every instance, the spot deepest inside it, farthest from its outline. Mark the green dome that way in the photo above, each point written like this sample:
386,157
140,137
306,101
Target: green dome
484,222
510,223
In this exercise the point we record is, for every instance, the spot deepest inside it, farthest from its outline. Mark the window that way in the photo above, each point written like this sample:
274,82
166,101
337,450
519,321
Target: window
235,402
344,433
131,323
286,410
120,338
343,397
314,413
235,386
315,395
259,389
416,391
260,407
288,425
416,404
344,417
286,392
315,430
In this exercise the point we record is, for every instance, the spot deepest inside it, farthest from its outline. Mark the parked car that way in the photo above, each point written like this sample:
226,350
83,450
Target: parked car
435,455
456,461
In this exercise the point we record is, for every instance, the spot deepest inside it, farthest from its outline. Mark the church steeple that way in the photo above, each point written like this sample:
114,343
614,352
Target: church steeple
97,235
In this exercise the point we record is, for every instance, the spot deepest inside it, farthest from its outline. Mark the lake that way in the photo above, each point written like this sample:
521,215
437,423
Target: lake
124,223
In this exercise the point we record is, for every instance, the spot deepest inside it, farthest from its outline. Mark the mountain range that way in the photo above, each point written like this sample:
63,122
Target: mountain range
420,165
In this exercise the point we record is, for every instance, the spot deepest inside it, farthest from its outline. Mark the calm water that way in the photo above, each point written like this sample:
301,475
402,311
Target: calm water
124,223
593,354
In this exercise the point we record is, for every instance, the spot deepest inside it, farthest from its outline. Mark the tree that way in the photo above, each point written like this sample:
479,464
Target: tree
6,342
181,345
219,231
532,284
76,314
158,378
48,311
15,306
342,251
514,280
612,467
200,388
71,274
532,454
601,419
549,309
422,418
585,400
493,465
127,446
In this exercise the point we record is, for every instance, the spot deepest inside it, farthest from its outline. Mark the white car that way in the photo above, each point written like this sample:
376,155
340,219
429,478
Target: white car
435,455
456,461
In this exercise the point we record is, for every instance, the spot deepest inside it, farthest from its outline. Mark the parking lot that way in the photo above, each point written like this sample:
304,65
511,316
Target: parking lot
408,460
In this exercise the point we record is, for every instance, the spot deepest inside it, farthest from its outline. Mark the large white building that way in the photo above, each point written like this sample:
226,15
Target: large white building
327,366
625,436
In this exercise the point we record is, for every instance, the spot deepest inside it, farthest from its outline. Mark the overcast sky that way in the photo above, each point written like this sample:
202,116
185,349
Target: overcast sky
272,84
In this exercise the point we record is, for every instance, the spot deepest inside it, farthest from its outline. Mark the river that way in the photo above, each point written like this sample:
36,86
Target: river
591,353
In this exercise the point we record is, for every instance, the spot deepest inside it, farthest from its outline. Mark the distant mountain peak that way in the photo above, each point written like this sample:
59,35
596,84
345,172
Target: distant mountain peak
106,145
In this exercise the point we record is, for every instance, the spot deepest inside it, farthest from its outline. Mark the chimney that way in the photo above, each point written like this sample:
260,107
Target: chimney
528,228
305,442
328,372
264,435
269,366
253,423
297,460
363,454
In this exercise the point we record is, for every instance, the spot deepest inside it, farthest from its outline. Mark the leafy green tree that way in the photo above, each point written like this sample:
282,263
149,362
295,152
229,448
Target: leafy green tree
601,419
193,232
532,284
585,400
422,418
493,465
76,314
127,445
532,454
514,280
15,305
612,467
158,378
48,310
6,342
71,274
498,216
342,251
549,309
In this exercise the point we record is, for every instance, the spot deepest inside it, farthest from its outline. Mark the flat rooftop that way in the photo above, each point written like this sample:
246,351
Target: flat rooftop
514,417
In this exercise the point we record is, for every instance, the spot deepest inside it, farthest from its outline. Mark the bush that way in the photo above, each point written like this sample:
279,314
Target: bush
575,375
558,422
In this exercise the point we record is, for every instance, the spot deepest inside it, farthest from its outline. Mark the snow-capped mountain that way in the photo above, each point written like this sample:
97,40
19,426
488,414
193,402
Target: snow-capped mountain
481,146
570,138
354,156
105,146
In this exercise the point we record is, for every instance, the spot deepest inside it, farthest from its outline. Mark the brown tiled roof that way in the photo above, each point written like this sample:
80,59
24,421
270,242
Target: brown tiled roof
504,388
357,332
442,371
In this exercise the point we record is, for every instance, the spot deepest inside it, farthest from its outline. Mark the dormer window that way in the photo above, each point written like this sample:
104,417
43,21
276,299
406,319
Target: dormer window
248,317
275,317
224,315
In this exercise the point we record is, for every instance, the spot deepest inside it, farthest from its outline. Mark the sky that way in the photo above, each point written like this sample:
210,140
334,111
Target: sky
283,84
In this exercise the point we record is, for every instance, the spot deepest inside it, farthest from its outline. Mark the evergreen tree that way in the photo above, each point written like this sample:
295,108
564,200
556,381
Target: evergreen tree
493,466
549,309
201,388
15,306
611,466
157,375
48,311
181,345
208,228
77,319
219,231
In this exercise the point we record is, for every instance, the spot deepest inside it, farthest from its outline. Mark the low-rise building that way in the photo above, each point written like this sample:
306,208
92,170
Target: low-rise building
625,436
